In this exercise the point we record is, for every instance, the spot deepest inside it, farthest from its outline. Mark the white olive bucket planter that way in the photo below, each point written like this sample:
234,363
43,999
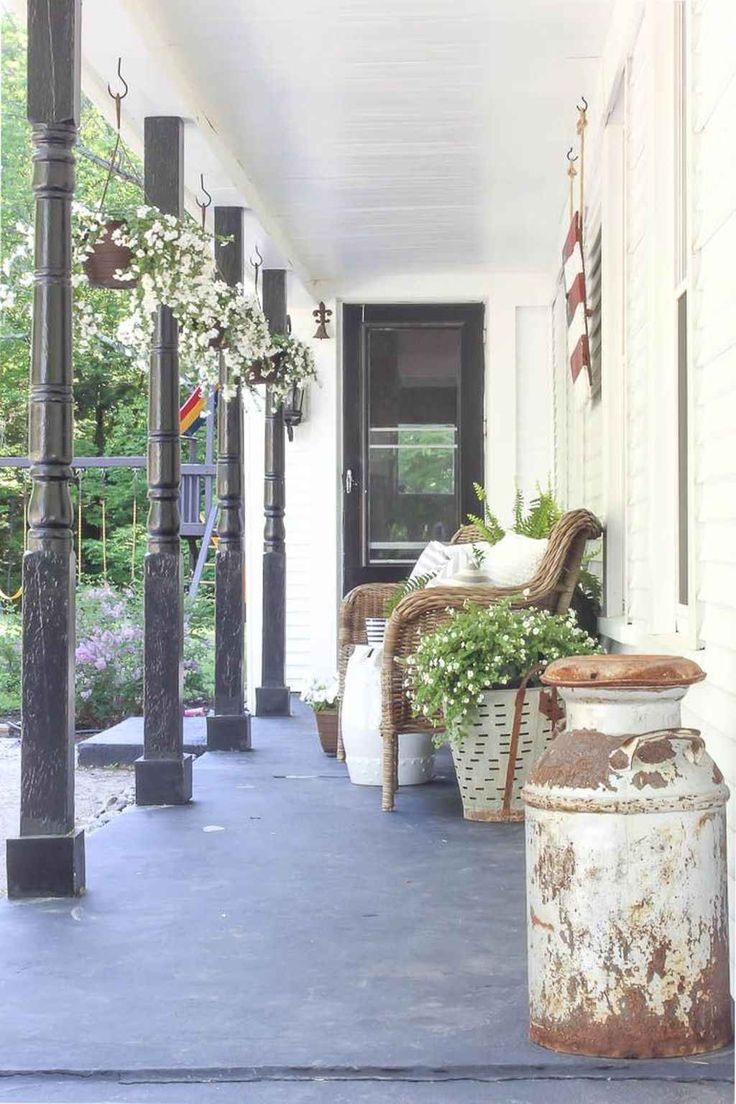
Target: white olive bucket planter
490,783
361,727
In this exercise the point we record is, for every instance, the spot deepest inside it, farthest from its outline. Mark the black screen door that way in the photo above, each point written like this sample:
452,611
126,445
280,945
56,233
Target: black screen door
412,432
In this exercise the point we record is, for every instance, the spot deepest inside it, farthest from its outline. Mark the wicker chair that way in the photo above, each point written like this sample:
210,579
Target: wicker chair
422,611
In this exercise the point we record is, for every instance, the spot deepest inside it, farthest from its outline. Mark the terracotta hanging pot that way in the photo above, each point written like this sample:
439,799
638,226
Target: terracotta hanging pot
256,370
107,258
220,340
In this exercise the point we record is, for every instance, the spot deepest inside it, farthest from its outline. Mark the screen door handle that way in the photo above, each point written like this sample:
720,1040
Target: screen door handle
350,482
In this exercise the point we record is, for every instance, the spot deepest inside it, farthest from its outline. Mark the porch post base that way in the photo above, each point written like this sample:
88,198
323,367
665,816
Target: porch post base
163,781
273,701
46,866
228,733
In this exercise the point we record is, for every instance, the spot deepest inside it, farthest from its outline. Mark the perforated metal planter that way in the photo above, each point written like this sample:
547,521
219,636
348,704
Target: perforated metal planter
490,783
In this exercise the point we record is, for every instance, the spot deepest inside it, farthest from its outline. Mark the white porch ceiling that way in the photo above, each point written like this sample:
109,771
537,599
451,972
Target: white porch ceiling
377,137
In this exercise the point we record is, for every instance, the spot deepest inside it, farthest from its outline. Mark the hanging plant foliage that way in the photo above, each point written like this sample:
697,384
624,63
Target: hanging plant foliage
290,363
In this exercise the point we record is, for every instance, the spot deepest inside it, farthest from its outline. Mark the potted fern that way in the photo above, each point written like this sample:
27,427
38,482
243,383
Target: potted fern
536,520
477,678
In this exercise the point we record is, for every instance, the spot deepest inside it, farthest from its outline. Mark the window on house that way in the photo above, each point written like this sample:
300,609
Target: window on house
682,256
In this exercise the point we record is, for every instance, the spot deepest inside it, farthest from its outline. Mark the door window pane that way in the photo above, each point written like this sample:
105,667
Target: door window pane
413,375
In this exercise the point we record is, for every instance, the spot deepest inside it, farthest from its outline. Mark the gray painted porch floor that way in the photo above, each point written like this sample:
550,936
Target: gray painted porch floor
308,949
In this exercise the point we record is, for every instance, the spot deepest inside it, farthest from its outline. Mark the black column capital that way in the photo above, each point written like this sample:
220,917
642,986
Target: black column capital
54,61
163,169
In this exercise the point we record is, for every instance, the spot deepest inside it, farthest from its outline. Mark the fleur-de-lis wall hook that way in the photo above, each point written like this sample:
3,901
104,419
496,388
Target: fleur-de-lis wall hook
322,317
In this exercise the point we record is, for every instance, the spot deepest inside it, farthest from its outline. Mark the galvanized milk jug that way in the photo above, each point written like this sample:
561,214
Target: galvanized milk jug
626,868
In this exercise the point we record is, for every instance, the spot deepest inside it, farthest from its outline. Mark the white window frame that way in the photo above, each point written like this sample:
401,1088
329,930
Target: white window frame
686,623
614,279
671,626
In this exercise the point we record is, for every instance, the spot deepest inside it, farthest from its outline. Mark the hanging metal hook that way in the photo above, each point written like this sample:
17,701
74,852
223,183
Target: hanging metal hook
118,97
256,266
208,201
574,156
584,105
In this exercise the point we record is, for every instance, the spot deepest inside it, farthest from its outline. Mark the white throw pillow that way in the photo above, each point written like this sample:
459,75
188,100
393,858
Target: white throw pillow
515,560
433,559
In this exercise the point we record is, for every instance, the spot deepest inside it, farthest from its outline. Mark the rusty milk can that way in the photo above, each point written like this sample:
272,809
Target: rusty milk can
626,868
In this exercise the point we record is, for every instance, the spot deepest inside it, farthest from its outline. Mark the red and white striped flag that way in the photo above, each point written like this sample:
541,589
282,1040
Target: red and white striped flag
577,311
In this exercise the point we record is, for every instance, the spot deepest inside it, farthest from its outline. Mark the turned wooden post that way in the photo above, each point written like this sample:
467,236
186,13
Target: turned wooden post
163,775
272,696
48,857
228,729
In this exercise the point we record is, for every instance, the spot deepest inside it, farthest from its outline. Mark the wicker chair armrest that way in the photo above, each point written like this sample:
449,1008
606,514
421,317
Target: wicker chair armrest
367,600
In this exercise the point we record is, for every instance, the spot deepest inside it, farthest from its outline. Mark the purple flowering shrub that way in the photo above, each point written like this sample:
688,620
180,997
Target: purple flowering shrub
109,657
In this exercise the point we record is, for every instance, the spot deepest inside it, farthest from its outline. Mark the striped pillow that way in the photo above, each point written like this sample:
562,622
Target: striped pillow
433,559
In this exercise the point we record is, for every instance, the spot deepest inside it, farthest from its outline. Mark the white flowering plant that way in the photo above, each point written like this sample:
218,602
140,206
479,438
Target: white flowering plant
172,262
483,648
291,362
321,693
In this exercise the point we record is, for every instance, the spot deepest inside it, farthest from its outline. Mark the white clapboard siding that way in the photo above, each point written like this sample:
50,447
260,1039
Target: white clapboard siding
710,706
713,705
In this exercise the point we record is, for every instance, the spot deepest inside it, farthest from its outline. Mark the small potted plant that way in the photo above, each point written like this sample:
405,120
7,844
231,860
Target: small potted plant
321,694
476,677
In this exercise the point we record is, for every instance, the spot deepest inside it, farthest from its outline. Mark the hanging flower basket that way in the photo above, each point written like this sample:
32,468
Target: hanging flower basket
289,362
108,257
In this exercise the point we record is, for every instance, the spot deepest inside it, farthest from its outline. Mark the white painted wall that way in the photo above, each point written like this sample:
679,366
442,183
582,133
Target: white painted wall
620,453
534,458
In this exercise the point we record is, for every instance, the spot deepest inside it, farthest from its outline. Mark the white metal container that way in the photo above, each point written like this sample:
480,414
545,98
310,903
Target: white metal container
626,868
361,727
490,783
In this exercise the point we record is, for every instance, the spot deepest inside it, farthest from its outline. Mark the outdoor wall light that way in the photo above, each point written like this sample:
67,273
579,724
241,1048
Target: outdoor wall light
294,409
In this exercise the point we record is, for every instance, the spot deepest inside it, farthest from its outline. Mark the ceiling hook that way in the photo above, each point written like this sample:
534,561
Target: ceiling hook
207,201
574,156
256,265
118,97
121,78
584,106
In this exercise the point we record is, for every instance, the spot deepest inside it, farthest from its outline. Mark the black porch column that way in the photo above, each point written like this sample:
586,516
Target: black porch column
272,697
163,775
229,728
48,858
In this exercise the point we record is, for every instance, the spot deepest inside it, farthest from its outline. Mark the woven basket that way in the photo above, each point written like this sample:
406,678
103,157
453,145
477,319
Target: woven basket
107,258
327,730
482,760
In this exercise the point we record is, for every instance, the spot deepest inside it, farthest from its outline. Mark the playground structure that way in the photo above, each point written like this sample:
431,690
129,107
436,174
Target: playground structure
198,502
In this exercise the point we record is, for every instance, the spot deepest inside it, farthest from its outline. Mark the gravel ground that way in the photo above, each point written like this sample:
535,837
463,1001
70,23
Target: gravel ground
101,793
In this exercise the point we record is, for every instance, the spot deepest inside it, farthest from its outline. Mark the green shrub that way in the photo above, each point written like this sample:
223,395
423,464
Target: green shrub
10,657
